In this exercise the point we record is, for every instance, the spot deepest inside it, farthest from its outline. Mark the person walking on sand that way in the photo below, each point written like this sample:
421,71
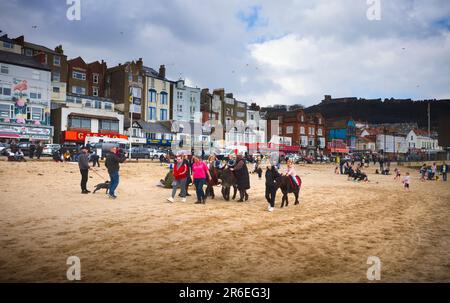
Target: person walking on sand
444,171
180,173
39,150
112,163
406,181
83,164
242,178
199,173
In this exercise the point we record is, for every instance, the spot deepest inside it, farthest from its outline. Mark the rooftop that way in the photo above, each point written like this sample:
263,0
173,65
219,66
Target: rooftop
22,60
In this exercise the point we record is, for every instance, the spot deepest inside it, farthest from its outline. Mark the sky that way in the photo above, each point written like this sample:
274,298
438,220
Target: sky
268,52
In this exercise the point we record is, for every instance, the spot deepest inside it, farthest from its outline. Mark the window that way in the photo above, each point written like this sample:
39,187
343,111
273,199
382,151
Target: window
78,90
6,111
152,113
28,52
320,121
109,125
302,118
302,130
95,91
179,95
163,114
139,79
5,89
56,76
311,131
108,105
151,136
252,117
95,78
75,122
56,89
57,60
180,107
164,85
319,132
36,75
152,82
163,98
79,75
4,69
289,129
35,113
130,77
151,95
7,44
35,93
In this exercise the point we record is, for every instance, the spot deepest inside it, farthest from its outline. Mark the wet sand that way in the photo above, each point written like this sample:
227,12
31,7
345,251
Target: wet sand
141,238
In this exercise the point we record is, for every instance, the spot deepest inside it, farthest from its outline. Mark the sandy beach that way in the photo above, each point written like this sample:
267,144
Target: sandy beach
141,238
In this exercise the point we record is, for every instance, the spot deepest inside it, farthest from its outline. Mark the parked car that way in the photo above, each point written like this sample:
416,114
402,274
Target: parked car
155,153
25,148
3,147
140,153
49,149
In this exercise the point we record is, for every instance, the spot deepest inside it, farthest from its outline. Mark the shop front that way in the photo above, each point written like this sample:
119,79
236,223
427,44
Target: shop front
159,142
80,137
24,132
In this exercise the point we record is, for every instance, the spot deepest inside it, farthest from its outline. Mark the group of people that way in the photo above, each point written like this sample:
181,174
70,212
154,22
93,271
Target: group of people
113,159
353,171
432,172
193,170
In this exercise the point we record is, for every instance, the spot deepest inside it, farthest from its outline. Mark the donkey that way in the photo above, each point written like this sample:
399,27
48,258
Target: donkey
228,180
285,184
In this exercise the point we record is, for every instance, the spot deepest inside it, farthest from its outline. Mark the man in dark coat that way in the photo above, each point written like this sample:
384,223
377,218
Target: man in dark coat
83,163
242,178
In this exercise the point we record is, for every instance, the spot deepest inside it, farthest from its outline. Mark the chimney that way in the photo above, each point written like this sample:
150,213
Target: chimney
59,49
162,71
139,63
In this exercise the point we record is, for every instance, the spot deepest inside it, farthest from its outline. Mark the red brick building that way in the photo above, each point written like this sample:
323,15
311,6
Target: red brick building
86,79
307,131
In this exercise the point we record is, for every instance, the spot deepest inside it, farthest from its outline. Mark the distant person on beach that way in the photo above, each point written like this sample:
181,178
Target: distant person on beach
444,171
39,150
406,181
397,174
32,150
113,160
19,155
95,158
180,173
83,164
434,169
423,172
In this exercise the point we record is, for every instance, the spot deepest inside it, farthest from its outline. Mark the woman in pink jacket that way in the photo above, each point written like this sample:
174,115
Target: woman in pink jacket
199,173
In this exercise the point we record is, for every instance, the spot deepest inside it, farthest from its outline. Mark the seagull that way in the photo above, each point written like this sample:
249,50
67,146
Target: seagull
34,26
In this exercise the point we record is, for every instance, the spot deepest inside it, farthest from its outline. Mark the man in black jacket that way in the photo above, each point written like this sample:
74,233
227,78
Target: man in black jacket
83,164
113,160
271,188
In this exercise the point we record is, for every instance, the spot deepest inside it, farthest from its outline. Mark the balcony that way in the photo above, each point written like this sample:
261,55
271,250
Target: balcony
73,100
